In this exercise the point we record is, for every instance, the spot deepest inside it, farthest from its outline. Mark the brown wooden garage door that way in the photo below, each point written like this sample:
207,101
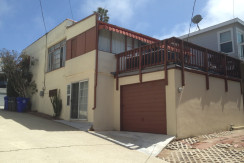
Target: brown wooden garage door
143,107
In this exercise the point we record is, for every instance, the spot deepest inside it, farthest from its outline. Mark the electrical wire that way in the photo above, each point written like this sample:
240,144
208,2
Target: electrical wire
43,16
44,77
191,19
71,10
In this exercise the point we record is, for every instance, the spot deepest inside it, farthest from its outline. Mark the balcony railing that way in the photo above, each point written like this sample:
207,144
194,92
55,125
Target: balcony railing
181,53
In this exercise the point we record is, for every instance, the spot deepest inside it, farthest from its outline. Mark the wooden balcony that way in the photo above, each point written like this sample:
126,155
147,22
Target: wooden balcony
183,55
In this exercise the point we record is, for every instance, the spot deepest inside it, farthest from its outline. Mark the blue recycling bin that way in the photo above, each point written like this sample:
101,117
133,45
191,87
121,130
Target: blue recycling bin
6,103
22,104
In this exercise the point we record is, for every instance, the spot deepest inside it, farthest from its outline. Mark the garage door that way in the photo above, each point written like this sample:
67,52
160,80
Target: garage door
143,107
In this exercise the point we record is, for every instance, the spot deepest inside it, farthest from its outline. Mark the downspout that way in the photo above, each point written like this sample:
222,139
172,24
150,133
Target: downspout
44,77
96,66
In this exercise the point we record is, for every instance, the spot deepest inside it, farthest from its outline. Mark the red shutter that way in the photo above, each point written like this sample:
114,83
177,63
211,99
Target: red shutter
91,39
68,49
74,47
81,44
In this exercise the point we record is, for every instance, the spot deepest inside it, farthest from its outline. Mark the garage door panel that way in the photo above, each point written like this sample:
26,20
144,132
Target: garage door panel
150,106
143,107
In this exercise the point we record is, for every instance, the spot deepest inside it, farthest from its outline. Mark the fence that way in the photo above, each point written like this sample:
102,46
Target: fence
181,53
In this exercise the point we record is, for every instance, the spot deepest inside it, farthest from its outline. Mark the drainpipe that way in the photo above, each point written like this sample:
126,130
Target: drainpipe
44,77
96,66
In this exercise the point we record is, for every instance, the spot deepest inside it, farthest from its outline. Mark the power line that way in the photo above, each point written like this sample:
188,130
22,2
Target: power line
43,17
44,77
191,19
71,10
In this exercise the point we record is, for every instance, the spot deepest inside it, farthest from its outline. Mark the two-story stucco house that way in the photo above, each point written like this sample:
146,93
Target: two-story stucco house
226,37
118,79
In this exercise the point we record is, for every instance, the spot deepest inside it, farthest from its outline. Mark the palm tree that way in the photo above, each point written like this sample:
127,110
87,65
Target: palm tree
102,13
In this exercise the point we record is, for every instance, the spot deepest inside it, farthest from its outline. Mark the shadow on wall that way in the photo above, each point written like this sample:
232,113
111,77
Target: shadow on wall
202,111
195,91
33,122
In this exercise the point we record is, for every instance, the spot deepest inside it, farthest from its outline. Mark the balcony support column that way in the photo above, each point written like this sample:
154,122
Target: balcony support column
165,61
206,68
182,63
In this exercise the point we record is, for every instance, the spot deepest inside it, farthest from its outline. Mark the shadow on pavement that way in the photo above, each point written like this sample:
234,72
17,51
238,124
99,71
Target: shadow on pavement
33,122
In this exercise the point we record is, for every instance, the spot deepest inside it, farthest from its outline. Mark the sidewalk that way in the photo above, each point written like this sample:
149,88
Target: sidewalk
227,146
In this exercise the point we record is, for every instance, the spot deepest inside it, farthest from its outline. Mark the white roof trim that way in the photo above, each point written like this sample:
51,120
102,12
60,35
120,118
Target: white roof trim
232,21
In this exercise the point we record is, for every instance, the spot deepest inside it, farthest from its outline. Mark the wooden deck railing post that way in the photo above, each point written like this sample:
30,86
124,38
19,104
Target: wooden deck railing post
140,74
206,68
182,63
162,47
117,72
165,61
225,72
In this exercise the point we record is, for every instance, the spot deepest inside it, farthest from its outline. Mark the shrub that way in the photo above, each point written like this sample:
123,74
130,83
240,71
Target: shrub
57,104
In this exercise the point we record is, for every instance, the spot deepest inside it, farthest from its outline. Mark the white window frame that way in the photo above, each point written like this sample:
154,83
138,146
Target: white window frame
239,44
80,81
68,95
232,40
51,56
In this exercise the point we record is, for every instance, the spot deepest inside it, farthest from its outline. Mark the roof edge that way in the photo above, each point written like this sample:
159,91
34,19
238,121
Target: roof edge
232,21
48,32
81,20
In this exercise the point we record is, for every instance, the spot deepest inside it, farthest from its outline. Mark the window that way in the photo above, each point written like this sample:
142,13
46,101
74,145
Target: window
118,43
225,41
104,40
129,43
56,56
240,42
68,94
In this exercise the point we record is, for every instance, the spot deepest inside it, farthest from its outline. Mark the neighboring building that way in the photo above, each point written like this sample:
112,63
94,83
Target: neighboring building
116,79
226,37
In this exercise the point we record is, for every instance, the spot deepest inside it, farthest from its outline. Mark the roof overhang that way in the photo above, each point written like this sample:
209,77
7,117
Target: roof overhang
126,32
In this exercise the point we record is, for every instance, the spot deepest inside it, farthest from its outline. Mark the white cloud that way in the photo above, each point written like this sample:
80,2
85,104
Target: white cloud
119,10
4,10
218,11
215,11
177,30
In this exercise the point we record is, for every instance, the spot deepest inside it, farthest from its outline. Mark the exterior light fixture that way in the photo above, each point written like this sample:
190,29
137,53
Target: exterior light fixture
180,89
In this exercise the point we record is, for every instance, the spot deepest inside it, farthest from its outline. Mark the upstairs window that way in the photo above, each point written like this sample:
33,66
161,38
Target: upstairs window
56,56
225,41
240,42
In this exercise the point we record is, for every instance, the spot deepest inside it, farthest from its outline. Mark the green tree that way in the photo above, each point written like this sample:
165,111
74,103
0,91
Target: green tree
103,14
16,67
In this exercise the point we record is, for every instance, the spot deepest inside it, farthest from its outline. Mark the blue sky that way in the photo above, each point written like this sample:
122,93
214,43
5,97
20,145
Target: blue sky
21,21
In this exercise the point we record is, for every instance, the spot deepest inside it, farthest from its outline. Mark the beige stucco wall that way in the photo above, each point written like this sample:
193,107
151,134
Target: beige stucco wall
81,27
195,110
201,111
103,114
75,70
170,97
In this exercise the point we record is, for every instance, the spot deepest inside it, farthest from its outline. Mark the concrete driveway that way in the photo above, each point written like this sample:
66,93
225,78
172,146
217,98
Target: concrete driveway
27,138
